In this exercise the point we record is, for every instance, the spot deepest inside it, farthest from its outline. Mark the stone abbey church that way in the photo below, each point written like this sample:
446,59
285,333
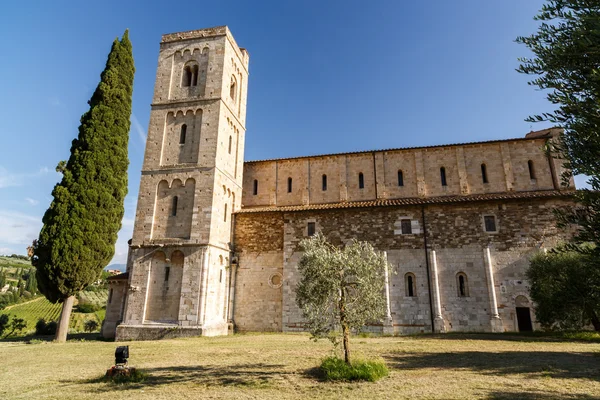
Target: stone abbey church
215,242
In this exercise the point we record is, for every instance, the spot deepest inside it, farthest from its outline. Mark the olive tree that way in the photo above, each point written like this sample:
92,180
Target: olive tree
340,289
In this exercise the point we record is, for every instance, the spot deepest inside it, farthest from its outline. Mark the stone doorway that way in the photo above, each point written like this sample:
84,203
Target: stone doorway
524,319
523,312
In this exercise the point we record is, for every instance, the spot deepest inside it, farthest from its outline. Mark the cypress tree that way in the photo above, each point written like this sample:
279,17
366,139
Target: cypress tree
31,283
80,228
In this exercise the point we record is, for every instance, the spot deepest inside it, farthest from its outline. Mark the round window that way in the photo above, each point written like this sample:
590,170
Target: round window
275,280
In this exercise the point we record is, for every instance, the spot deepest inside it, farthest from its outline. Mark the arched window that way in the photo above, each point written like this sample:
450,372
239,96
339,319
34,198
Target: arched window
232,88
400,178
531,169
187,76
289,185
174,206
462,284
361,180
443,176
255,189
182,134
484,173
229,145
225,213
194,75
410,284
324,182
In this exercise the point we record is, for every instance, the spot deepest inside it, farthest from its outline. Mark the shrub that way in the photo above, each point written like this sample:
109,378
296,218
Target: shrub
43,328
134,376
87,308
336,369
91,325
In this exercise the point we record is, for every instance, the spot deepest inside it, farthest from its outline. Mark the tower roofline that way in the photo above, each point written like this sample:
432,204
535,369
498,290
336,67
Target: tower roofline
216,31
198,33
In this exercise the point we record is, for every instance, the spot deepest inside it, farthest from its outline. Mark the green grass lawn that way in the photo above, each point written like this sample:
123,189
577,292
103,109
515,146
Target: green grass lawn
281,366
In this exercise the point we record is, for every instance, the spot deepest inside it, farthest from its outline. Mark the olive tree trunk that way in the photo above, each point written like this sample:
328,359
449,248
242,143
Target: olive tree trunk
345,328
63,323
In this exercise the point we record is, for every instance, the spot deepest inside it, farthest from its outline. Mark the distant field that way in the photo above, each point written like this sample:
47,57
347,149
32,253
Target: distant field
9,262
33,310
281,366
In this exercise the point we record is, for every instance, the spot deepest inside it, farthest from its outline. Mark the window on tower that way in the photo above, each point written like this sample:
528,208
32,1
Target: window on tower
182,134
232,88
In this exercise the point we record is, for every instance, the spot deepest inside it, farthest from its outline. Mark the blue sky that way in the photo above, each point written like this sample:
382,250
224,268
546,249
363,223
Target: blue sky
325,76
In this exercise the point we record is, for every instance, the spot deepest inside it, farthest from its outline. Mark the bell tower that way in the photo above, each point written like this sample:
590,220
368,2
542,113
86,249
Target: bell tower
178,275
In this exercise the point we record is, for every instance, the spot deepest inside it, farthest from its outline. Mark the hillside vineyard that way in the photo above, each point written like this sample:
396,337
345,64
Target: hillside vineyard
215,242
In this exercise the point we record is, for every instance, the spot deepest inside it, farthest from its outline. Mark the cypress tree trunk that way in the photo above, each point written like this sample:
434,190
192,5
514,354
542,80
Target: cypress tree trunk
63,323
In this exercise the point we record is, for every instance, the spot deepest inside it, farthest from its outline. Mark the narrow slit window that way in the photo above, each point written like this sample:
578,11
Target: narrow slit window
443,176
289,185
110,294
361,181
255,189
324,182
531,169
411,287
400,178
220,275
187,76
194,81
406,226
232,88
174,207
311,228
489,221
229,147
484,177
463,287
225,213
167,270
182,134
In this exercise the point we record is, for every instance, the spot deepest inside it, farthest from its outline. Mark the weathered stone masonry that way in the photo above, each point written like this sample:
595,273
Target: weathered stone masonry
267,243
215,241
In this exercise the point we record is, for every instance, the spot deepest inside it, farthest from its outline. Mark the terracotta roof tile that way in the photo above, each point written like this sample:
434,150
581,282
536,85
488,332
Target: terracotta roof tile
412,201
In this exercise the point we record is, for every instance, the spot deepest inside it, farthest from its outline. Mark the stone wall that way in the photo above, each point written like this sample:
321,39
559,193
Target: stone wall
258,305
267,243
506,165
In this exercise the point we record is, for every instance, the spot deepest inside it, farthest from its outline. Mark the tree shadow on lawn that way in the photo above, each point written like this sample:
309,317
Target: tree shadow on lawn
536,395
245,375
94,336
531,337
535,364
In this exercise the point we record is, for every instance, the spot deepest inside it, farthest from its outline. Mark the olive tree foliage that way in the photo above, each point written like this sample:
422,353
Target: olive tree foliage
565,285
566,64
340,289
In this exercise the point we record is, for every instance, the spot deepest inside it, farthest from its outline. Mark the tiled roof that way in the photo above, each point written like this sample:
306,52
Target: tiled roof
409,201
543,134
123,276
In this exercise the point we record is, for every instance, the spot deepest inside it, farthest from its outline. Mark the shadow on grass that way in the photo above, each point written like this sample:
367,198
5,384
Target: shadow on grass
258,376
583,337
94,336
534,364
536,395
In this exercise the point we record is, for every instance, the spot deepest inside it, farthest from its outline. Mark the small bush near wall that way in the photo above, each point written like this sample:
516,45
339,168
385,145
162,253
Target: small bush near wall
336,369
